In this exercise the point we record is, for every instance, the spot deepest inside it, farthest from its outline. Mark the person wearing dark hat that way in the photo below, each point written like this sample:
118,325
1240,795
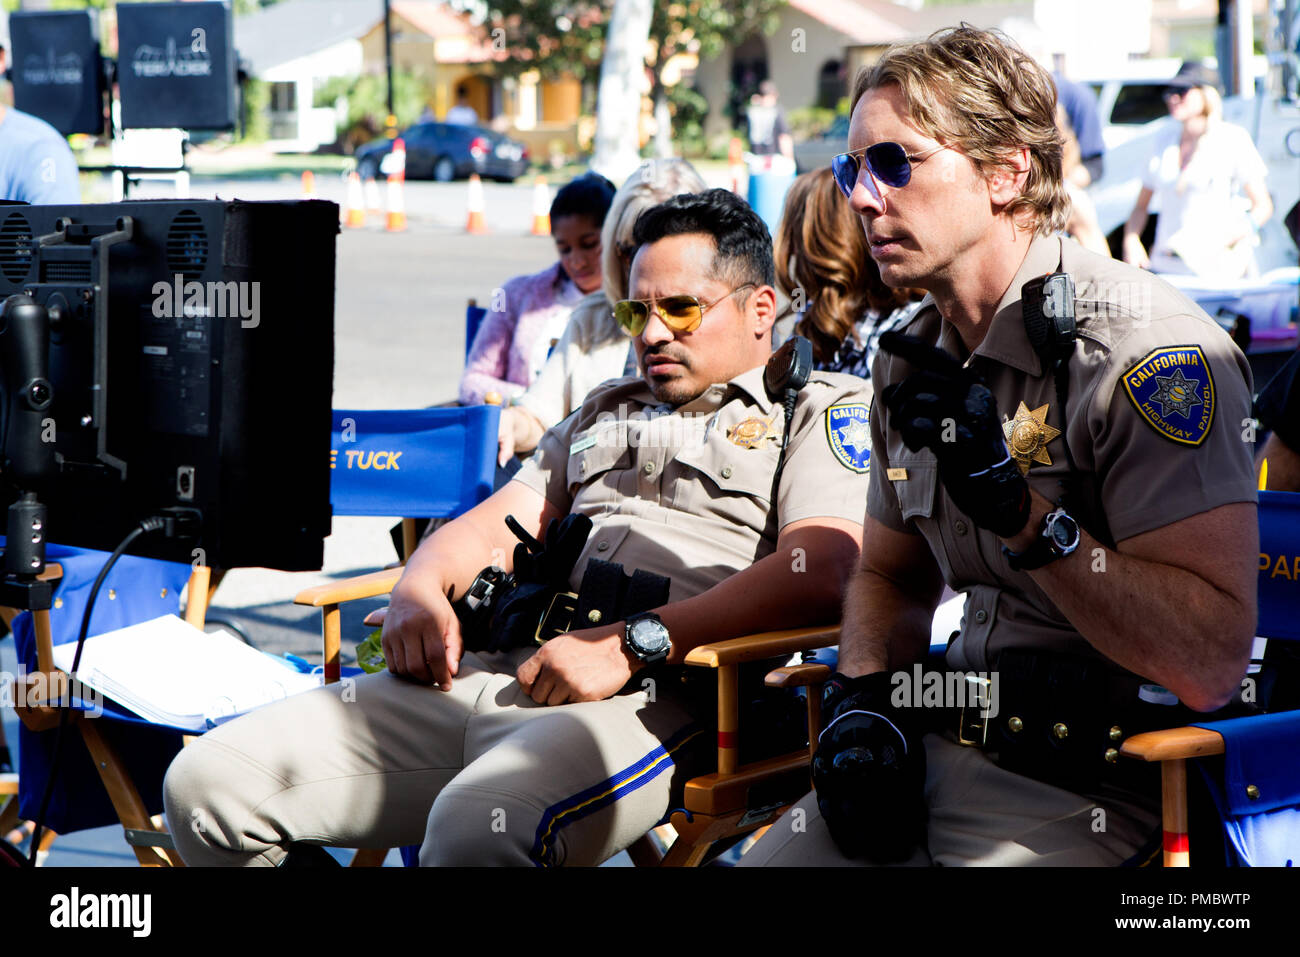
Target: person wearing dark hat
1198,174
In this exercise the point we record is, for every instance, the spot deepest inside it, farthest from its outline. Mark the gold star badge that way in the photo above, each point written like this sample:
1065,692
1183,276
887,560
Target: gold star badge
1027,436
750,433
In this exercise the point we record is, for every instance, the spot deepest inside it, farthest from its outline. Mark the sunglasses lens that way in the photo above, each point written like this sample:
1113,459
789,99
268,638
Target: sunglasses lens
888,163
680,312
845,170
631,316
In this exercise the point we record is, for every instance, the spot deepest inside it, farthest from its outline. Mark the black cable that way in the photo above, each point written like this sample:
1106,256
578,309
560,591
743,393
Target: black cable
145,527
787,403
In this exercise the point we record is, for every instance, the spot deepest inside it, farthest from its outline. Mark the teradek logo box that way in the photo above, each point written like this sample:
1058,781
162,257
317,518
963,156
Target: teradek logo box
176,65
56,69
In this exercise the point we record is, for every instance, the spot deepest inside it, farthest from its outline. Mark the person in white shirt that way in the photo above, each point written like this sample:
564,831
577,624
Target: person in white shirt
1198,175
462,114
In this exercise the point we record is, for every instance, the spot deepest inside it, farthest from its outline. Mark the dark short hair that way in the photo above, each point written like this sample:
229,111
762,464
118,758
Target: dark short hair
588,195
742,244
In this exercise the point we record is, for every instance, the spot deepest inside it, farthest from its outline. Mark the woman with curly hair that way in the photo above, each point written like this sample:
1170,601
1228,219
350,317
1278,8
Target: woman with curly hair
824,264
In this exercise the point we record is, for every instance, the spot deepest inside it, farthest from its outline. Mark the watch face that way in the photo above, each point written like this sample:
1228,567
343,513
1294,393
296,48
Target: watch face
649,636
1065,533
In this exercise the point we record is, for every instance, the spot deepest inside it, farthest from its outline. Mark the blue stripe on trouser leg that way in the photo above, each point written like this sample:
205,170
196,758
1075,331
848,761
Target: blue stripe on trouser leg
588,802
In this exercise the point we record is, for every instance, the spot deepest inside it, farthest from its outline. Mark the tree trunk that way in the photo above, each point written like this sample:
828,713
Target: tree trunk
618,100
663,121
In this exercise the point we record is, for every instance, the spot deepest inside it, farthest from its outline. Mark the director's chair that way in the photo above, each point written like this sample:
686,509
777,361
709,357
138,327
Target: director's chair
1250,765
124,752
434,461
732,800
1255,786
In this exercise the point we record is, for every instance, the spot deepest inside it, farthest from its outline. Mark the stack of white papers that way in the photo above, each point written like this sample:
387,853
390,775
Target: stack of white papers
170,672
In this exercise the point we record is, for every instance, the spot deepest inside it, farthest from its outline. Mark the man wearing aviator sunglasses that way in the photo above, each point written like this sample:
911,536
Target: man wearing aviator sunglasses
680,313
888,163
1123,448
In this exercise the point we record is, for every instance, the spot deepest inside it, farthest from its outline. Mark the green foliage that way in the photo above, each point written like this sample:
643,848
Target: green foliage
568,36
809,121
367,97
257,110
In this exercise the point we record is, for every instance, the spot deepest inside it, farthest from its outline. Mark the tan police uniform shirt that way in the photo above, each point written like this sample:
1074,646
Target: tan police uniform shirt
687,492
1157,399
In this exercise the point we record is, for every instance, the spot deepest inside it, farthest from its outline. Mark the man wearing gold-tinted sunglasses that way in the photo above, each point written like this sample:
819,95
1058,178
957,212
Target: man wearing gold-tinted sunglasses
581,744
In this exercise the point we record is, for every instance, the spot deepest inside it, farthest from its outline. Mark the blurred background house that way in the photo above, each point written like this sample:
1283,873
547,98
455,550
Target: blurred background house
322,65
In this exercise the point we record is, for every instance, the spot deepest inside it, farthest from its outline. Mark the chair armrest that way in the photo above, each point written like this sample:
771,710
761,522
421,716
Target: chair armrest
1173,744
350,589
797,676
768,644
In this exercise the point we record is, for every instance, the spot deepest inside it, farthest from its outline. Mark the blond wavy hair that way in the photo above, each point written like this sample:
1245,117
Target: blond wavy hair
979,92
653,182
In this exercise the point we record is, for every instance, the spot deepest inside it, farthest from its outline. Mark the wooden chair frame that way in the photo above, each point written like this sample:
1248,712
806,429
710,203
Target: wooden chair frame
147,835
1171,748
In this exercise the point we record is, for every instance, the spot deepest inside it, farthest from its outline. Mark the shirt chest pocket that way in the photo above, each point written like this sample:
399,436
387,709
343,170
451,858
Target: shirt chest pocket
598,466
724,479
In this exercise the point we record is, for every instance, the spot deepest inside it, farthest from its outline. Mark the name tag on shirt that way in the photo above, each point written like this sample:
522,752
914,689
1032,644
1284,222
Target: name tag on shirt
582,444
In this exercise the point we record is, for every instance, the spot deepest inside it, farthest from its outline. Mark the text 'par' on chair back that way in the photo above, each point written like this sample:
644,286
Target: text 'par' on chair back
1249,763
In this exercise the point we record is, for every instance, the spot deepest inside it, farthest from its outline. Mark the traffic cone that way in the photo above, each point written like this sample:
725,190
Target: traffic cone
399,157
356,209
396,184
475,223
374,204
308,184
736,160
541,207
396,207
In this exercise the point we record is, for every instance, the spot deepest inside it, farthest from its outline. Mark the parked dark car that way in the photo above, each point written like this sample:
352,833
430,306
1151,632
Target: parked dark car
446,151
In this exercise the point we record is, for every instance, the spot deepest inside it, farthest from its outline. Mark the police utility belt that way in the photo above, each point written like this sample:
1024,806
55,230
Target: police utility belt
501,611
1061,719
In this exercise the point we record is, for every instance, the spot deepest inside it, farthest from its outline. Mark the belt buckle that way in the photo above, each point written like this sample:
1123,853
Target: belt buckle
558,617
973,723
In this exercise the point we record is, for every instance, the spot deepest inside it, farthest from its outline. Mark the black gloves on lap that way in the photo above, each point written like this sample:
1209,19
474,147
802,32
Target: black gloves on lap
869,772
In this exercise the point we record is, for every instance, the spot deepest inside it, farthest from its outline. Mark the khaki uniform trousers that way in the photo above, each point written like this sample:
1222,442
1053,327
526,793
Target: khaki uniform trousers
979,815
480,774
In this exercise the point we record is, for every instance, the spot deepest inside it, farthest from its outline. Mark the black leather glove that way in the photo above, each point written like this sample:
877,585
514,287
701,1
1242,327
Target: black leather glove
869,772
975,465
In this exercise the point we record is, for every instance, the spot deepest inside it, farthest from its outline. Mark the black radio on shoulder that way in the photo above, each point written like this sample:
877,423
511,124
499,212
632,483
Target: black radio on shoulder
789,367
1047,306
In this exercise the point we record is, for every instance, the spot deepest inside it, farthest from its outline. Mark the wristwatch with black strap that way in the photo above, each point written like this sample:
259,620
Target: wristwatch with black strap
1058,537
647,638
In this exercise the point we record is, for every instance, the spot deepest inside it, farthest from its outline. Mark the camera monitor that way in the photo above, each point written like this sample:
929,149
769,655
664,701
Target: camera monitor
191,363
176,65
57,70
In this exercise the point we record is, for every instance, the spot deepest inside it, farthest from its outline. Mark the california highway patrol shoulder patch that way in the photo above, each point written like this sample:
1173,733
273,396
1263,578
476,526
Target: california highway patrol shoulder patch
1173,391
848,432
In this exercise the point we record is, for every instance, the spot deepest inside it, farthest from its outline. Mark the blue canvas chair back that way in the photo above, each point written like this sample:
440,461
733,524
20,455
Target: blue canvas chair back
474,314
1257,789
136,590
419,462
